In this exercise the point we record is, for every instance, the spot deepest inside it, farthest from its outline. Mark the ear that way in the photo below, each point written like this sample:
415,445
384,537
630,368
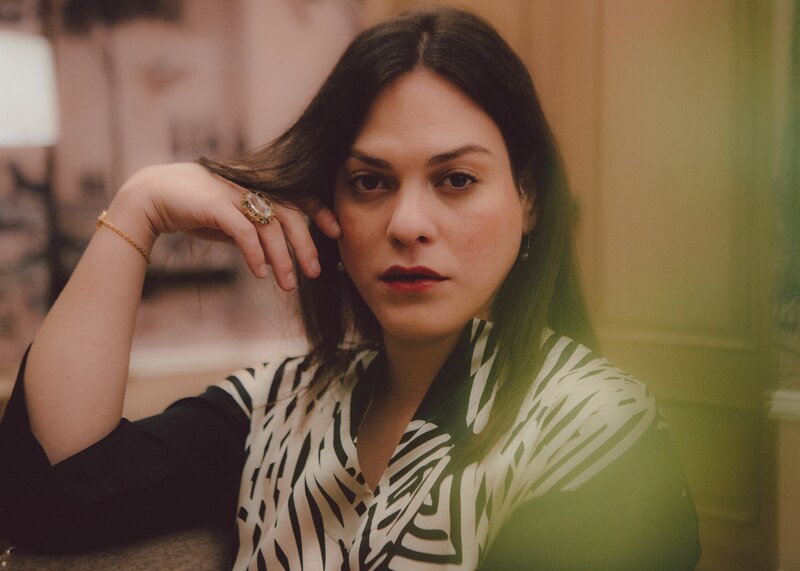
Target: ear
529,211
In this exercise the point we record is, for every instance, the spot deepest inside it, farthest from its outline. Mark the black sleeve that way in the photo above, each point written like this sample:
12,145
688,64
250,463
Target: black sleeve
634,515
177,469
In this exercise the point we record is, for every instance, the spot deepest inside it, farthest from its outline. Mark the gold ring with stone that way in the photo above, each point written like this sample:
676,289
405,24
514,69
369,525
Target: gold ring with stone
257,207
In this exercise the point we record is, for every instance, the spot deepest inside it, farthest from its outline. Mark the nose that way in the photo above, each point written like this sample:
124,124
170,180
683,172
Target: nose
412,214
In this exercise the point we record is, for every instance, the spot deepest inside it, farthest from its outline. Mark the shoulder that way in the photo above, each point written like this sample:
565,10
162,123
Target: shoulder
594,462
270,381
575,381
581,414
574,377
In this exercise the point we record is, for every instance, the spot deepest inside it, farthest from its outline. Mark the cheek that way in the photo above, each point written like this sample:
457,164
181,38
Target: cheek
347,216
357,236
493,238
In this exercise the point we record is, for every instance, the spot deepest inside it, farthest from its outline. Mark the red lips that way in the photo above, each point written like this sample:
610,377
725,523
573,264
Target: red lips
412,279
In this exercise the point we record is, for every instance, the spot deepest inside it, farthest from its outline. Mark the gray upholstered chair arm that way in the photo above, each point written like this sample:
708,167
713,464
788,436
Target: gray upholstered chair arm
202,549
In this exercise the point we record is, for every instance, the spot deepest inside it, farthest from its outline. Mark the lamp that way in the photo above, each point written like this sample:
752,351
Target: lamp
28,106
29,118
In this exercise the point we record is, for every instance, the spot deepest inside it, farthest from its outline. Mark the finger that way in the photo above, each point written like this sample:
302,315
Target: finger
326,221
296,229
246,238
273,242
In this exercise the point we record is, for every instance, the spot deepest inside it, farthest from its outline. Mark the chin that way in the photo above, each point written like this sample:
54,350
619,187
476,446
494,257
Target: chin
416,326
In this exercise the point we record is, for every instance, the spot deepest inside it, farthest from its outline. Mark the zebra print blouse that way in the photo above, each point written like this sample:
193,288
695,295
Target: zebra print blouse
303,503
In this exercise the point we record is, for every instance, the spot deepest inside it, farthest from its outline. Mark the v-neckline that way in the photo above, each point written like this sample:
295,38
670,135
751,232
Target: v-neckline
444,405
360,401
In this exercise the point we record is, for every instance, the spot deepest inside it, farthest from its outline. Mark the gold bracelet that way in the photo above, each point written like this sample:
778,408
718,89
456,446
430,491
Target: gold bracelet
101,221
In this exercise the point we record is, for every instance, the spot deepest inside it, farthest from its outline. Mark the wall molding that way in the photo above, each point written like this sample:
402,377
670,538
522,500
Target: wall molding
643,335
726,514
785,405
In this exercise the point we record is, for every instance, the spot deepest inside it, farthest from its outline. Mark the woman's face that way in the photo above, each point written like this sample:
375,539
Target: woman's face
431,217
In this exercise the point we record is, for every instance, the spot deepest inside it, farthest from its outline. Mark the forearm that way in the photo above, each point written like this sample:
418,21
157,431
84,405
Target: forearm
78,364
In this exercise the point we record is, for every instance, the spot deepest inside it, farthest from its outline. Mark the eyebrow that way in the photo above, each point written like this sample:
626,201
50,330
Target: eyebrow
435,160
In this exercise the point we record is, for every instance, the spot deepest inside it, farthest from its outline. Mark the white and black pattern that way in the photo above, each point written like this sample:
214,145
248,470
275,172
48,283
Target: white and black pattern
305,505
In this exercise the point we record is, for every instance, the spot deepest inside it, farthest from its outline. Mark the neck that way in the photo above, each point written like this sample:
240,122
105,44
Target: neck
413,366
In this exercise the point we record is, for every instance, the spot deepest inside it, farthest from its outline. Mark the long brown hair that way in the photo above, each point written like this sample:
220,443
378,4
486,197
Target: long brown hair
541,291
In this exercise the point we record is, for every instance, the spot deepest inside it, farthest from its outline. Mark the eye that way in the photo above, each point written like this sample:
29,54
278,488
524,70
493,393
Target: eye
367,182
459,180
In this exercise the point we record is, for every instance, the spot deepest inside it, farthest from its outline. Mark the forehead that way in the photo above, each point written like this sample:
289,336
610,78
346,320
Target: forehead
424,113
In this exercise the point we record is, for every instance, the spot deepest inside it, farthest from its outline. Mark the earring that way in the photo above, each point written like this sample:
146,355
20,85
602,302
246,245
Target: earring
340,267
525,247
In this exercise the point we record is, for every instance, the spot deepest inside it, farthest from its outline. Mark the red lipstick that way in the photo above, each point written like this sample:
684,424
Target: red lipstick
413,279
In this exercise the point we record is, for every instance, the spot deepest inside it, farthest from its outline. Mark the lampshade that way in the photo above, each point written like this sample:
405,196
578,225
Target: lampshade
28,105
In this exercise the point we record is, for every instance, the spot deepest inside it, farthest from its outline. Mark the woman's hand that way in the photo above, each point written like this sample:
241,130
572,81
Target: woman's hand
185,197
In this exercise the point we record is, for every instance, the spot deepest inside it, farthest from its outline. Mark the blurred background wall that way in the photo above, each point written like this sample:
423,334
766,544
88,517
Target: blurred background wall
153,81
676,118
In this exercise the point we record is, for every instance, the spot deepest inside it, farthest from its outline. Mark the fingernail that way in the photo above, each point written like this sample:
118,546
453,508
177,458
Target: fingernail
314,267
262,271
291,281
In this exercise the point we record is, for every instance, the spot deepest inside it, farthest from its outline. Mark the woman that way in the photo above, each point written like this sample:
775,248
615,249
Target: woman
450,413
